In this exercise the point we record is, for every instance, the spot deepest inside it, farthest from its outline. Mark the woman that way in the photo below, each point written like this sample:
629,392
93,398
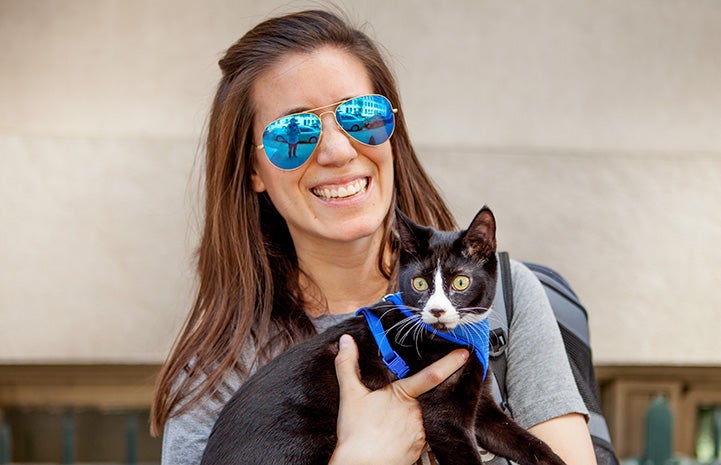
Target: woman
288,250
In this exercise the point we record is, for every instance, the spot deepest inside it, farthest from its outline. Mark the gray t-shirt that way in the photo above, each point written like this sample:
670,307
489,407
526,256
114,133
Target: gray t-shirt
539,380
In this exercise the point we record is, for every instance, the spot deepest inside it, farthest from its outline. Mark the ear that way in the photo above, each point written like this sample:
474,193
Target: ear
256,182
410,234
480,237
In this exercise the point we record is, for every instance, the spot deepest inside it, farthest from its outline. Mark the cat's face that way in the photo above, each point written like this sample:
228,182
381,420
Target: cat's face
448,278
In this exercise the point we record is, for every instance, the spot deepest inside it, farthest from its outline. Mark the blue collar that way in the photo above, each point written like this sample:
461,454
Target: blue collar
475,337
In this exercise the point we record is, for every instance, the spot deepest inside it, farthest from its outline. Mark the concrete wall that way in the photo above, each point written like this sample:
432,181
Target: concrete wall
592,128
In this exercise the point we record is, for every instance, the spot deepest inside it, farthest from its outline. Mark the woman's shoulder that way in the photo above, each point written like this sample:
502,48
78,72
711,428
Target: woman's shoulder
531,309
326,320
525,282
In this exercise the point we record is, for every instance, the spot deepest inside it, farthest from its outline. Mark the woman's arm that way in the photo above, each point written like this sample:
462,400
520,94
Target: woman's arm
387,421
568,436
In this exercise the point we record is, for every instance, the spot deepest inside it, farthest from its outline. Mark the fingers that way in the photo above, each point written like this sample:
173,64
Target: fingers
346,367
381,426
348,373
433,375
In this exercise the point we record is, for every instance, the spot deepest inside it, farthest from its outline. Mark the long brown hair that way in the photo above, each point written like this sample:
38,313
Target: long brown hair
247,267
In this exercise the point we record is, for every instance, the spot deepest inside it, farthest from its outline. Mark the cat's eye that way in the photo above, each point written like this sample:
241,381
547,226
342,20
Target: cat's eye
420,284
460,283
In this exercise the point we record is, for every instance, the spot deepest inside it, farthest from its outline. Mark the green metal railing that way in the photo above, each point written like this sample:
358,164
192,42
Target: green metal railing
68,437
5,441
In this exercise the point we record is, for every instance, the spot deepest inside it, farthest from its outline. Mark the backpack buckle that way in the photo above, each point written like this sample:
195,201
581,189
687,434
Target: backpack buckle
498,342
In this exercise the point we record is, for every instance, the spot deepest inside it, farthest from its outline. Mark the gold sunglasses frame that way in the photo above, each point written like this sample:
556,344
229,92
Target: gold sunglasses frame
335,107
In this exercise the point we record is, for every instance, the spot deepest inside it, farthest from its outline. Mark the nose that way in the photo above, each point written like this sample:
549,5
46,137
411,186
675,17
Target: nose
335,148
437,312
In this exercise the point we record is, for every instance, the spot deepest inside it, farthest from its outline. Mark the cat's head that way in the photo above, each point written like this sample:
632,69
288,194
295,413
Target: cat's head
448,278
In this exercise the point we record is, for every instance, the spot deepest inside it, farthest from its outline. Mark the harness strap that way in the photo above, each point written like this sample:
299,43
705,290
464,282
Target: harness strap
474,335
393,361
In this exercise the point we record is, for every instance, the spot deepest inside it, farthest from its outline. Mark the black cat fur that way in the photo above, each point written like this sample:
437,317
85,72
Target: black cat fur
286,412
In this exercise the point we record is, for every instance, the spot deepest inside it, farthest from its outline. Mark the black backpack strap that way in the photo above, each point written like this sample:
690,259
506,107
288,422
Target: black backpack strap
505,277
502,305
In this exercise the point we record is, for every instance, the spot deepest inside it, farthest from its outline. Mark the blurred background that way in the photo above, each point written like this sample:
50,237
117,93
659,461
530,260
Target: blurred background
593,130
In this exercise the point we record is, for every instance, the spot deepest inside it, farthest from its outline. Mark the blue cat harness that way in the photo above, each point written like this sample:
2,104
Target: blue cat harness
472,335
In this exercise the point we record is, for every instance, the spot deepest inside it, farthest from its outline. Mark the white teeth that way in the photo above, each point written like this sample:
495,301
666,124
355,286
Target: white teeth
342,191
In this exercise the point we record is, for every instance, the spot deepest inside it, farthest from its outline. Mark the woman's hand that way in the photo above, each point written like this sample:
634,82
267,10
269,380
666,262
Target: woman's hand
386,425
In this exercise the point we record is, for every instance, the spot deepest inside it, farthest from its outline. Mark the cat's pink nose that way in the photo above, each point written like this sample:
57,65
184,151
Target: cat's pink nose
437,312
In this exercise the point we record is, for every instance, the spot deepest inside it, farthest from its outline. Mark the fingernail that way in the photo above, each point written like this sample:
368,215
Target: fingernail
344,341
465,354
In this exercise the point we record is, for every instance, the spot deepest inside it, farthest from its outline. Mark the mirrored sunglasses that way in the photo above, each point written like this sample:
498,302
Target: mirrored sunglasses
291,140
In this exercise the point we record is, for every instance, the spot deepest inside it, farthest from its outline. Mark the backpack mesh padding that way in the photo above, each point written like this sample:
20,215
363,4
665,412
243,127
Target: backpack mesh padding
579,356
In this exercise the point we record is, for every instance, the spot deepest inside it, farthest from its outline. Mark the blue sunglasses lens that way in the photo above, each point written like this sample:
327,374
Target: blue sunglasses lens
369,119
290,141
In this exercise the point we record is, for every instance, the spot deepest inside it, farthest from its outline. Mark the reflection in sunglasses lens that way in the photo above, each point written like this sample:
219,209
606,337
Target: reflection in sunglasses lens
368,119
290,141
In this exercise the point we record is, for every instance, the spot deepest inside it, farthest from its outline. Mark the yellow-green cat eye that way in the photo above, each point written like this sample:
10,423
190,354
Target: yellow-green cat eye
460,283
420,284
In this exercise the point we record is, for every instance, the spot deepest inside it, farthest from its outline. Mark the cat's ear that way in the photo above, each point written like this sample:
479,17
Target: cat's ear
480,237
410,235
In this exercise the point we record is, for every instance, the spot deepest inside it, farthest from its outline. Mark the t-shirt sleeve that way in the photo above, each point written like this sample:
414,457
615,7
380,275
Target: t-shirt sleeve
186,435
539,379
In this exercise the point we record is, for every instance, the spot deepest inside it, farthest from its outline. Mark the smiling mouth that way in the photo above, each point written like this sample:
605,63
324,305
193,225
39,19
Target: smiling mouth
341,192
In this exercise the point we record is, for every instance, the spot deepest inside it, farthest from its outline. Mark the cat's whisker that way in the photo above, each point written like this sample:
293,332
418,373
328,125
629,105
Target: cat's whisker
496,320
409,320
400,324
460,330
417,334
419,329
412,327
473,330
407,326
388,309
473,310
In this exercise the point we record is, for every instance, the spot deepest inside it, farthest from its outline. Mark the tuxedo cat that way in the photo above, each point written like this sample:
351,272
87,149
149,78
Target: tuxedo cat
286,412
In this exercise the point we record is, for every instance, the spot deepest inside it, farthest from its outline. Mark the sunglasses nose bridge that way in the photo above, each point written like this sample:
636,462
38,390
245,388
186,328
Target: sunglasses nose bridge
327,112
335,124
334,147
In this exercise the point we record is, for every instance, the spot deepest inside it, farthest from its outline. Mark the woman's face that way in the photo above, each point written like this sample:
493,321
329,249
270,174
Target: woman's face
304,81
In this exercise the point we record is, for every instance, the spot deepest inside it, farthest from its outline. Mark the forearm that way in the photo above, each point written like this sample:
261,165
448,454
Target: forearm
568,436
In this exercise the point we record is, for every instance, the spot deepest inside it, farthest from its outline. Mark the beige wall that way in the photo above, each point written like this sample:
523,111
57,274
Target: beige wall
592,128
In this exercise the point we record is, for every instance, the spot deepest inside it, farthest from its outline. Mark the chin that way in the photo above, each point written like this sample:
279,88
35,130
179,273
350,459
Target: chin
358,228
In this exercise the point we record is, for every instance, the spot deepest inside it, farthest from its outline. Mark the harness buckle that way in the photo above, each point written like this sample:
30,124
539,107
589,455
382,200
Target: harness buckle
397,365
